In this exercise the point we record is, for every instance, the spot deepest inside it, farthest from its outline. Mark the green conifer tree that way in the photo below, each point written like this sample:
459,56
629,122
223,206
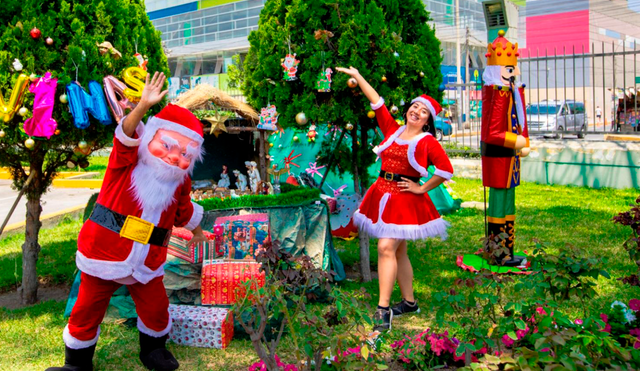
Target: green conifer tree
76,28
388,41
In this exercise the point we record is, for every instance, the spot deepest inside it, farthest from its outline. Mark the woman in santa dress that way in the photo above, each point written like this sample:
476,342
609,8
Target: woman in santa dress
396,207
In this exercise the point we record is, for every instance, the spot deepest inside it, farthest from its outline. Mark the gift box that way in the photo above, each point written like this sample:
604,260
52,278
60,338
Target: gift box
222,278
204,327
194,253
242,236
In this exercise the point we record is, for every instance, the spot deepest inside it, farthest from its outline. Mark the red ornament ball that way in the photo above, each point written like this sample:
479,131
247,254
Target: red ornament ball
35,33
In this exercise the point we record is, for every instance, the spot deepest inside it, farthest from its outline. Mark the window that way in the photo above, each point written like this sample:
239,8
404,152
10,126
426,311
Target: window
225,26
239,15
225,35
254,12
224,18
241,24
211,29
211,20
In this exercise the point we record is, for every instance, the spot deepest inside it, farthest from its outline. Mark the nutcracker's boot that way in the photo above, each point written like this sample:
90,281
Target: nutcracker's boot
154,354
510,242
76,359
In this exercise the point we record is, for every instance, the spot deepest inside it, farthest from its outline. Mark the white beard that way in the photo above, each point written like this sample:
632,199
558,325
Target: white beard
153,181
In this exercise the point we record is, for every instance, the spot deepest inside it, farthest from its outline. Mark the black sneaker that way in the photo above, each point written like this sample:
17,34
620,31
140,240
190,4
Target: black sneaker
404,307
382,320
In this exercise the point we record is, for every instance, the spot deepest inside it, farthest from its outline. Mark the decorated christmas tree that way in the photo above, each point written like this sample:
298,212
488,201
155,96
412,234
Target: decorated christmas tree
298,45
52,115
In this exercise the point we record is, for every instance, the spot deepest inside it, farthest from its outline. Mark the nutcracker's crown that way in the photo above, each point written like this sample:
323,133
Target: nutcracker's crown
502,52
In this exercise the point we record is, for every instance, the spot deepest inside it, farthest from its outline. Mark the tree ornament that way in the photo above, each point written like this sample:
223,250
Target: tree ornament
352,83
384,79
9,108
271,145
64,99
394,109
82,144
70,164
268,118
57,132
324,80
301,118
441,88
400,122
23,111
35,33
2,134
134,78
396,54
33,77
83,164
81,103
402,102
290,65
371,114
17,65
421,74
49,41
42,123
295,138
114,92
29,143
349,126
311,134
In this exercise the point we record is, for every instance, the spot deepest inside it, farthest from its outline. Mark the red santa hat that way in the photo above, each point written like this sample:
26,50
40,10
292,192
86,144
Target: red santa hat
178,119
432,105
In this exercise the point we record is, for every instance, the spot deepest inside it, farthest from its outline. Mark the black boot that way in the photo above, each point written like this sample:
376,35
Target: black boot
510,229
154,355
76,359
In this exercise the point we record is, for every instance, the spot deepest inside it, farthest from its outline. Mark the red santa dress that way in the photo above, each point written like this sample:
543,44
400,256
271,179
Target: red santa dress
107,261
385,211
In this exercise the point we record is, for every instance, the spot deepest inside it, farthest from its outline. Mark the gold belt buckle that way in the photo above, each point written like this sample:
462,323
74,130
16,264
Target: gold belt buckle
137,229
388,176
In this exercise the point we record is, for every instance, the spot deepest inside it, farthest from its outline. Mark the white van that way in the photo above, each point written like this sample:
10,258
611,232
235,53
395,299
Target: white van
558,117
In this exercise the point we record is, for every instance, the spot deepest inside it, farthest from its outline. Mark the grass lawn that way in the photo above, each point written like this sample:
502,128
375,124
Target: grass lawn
31,338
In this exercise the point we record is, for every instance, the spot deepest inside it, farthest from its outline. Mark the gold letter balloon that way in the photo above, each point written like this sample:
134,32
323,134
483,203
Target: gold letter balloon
134,78
9,109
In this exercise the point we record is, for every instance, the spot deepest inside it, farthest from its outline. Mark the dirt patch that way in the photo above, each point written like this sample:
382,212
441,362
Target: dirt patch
11,300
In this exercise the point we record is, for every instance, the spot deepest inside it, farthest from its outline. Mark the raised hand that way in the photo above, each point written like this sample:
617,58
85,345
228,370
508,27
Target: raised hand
349,71
153,93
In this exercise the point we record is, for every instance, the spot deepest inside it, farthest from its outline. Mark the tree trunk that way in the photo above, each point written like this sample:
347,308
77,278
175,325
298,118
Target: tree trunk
365,262
30,251
354,158
363,239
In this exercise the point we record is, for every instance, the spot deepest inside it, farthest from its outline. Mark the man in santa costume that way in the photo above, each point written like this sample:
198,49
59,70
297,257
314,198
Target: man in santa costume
504,140
144,194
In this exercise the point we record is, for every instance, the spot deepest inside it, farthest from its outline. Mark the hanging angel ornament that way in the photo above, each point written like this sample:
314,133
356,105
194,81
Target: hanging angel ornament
290,65
324,80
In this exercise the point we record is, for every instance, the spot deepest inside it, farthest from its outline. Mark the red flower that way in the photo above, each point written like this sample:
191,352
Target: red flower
634,304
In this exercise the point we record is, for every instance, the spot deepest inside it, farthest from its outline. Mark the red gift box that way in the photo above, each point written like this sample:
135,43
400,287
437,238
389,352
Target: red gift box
193,254
221,279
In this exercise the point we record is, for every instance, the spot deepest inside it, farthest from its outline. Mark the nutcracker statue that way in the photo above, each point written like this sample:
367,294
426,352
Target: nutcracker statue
504,140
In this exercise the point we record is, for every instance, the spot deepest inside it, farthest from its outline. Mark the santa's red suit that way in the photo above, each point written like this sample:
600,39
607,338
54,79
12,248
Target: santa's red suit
385,211
106,259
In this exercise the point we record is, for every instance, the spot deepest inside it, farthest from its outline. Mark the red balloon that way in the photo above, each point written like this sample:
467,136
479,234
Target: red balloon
35,33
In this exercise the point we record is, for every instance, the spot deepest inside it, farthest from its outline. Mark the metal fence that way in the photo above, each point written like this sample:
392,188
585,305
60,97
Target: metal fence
569,93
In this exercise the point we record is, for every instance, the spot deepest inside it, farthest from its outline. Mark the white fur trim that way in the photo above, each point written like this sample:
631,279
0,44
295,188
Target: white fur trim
156,334
196,217
492,75
428,104
155,123
433,228
411,154
377,105
445,174
389,141
125,139
74,343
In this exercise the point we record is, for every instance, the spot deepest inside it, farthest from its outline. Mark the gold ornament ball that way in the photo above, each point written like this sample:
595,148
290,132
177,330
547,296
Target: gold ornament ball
400,122
352,83
29,143
2,133
270,144
394,109
63,98
301,118
384,79
295,138
49,41
23,111
70,164
371,114
421,74
33,77
349,126
82,144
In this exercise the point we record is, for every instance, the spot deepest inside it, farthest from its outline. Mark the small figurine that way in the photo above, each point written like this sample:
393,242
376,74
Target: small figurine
324,80
224,178
254,175
290,65
241,180
311,134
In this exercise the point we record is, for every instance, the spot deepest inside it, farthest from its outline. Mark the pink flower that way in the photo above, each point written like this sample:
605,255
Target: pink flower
507,341
541,311
604,317
635,331
290,368
634,304
578,321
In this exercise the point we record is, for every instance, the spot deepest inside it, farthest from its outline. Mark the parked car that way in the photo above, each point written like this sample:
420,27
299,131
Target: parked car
558,117
443,126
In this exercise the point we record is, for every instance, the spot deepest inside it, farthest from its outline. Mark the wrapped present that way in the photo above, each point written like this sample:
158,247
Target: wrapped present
204,327
242,236
222,278
178,246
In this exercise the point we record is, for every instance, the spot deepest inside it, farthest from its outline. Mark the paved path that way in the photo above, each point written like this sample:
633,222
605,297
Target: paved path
55,202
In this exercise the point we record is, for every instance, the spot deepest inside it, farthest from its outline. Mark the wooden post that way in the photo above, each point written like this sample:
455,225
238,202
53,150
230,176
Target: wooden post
263,155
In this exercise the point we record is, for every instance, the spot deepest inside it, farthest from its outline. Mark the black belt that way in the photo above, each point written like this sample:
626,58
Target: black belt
114,222
491,150
391,177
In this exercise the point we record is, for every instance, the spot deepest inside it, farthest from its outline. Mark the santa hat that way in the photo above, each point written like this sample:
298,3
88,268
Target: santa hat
432,105
178,119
